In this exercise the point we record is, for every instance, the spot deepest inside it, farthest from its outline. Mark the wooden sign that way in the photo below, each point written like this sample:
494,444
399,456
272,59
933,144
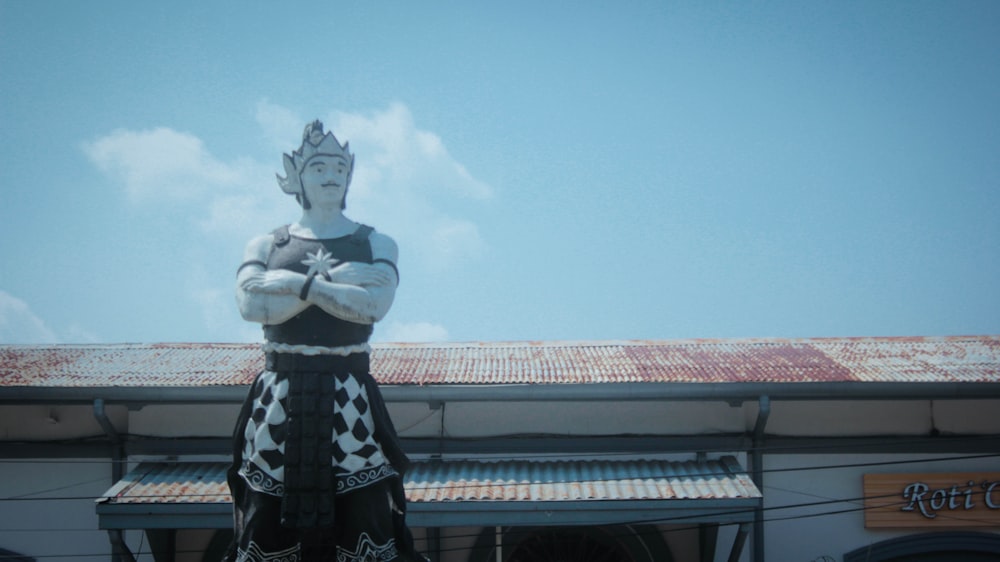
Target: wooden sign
934,500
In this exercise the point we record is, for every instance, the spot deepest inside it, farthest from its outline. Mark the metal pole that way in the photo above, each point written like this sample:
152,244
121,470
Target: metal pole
757,455
738,542
499,543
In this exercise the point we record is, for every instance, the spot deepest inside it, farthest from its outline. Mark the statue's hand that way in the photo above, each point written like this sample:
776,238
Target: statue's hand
359,274
275,282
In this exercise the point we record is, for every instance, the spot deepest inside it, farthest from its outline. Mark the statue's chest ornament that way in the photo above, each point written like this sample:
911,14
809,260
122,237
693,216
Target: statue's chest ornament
320,262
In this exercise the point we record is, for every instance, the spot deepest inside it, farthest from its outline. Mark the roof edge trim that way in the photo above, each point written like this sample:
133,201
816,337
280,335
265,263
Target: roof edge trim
624,392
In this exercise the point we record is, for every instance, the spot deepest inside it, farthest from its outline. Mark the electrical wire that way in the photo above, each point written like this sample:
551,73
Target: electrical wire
767,509
50,490
770,509
631,523
487,457
804,468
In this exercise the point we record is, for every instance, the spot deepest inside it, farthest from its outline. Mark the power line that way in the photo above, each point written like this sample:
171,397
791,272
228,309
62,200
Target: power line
765,450
701,475
631,523
50,490
874,443
823,501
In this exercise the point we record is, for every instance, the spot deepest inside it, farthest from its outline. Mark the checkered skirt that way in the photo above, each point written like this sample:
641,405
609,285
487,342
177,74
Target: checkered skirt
335,425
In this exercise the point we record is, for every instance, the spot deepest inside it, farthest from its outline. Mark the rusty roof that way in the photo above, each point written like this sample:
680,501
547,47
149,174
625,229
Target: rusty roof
969,359
944,359
578,480
475,481
151,365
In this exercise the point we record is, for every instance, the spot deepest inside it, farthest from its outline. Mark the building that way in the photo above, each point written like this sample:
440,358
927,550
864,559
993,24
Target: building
693,450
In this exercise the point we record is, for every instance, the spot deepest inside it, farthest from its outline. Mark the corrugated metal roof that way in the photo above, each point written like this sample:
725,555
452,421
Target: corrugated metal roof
925,360
578,480
472,481
179,482
168,364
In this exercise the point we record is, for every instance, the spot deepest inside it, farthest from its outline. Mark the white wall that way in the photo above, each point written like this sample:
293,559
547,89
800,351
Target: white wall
53,513
484,419
823,418
60,492
185,420
46,423
849,418
807,533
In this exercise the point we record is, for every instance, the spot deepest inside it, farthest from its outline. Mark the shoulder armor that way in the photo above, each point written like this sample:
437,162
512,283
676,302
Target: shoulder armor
361,235
281,236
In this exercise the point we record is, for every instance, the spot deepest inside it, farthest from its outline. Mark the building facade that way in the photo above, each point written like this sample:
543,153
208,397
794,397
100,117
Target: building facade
693,450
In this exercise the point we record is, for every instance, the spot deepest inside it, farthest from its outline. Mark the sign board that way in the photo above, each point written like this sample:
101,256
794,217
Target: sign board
933,500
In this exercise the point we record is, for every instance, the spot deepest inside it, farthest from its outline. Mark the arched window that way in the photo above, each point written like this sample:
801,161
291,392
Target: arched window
931,547
621,543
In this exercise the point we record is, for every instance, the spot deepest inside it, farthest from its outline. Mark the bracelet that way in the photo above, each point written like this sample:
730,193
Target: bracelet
390,264
249,263
305,286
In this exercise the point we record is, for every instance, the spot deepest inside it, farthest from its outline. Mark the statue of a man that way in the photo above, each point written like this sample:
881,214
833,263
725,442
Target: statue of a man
317,468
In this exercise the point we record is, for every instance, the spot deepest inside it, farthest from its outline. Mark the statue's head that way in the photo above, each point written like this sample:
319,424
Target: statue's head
314,143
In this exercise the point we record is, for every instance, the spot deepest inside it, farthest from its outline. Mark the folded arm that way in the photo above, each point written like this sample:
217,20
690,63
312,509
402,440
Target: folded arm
266,297
356,292
360,292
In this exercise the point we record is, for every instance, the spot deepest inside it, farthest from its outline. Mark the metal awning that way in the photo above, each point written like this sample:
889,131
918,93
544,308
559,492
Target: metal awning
194,495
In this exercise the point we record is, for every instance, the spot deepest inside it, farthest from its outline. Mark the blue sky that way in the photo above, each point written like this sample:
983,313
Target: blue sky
557,170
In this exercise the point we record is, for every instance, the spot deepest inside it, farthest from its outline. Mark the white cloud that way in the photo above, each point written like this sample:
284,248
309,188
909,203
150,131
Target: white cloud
18,324
218,317
411,158
412,332
244,213
162,164
404,179
412,188
78,334
451,239
406,184
281,125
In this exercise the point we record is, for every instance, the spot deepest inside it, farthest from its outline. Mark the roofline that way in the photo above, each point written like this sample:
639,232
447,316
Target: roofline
459,513
622,392
532,343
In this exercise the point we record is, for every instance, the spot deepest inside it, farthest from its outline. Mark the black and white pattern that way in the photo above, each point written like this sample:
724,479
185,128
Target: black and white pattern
354,446
261,481
357,458
254,553
364,477
367,551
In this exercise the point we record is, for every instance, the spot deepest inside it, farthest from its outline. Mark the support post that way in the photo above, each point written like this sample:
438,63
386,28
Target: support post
739,541
708,535
117,444
118,546
757,457
434,543
119,550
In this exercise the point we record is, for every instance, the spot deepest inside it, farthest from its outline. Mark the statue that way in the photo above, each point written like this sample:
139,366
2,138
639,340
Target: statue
317,467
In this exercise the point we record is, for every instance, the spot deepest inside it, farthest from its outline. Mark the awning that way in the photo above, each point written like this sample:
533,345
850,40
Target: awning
194,495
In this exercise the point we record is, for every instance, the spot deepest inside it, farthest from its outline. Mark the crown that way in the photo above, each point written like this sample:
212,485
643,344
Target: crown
314,143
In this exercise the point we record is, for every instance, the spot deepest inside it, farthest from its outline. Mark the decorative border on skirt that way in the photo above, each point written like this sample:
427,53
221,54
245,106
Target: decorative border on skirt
364,477
257,479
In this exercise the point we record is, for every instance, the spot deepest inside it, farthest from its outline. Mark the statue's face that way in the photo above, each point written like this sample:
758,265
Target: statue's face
324,181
